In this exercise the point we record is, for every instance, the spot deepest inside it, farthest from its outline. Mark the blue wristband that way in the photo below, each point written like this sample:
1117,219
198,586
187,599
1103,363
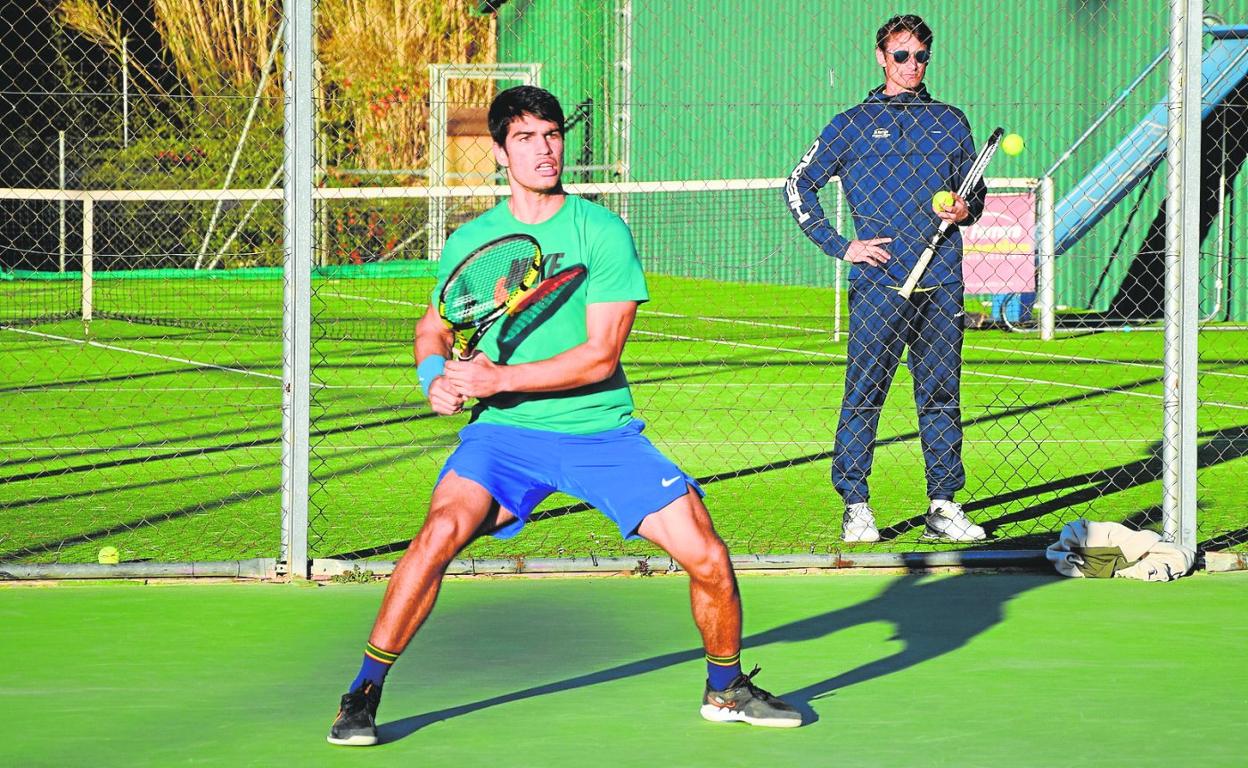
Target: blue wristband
429,369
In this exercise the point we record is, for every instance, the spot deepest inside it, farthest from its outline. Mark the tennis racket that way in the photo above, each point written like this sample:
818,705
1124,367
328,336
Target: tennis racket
536,307
491,280
972,178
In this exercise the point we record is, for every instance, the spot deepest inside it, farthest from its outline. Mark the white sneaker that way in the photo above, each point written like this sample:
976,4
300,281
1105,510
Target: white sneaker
946,520
858,525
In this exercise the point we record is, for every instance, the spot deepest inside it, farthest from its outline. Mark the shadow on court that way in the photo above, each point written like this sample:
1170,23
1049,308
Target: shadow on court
932,617
1218,447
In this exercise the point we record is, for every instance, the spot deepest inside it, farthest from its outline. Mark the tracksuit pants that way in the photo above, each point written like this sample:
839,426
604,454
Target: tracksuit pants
881,325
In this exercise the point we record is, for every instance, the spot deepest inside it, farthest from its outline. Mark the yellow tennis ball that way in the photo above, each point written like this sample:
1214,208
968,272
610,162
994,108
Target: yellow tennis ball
108,556
942,200
1012,144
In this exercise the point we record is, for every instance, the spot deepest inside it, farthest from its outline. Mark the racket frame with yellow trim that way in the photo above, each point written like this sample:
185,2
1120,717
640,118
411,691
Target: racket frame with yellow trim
469,327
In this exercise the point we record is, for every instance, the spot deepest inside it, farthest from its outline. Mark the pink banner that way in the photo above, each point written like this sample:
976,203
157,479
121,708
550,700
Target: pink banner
999,249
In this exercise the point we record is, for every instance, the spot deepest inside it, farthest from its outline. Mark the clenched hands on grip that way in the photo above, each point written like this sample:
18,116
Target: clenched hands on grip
444,398
463,379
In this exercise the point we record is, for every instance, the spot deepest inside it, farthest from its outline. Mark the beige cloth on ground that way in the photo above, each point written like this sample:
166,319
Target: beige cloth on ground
1091,549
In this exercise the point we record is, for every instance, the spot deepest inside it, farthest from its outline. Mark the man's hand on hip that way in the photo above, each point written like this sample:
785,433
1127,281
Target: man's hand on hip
868,252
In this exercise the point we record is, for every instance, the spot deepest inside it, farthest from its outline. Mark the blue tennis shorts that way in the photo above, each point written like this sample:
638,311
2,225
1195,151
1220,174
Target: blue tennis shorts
619,471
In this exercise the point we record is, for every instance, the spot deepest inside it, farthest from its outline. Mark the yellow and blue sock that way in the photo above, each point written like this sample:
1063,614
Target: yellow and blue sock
376,664
722,670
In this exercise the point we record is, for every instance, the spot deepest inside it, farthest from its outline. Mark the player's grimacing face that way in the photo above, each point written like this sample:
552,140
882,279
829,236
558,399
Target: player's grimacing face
906,75
532,153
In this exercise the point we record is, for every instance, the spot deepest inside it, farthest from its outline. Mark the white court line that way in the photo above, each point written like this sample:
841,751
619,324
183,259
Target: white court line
175,389
1048,355
1201,329
370,299
752,323
180,340
742,345
766,348
835,356
830,355
44,390
185,361
1079,359
152,447
356,446
968,372
742,384
140,353
187,340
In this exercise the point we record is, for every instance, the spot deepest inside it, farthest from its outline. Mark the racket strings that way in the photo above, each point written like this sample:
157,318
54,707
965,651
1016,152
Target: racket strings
487,279
981,162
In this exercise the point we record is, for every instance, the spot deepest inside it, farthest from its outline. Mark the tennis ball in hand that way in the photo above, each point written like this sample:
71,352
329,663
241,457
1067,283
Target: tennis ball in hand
1012,144
942,200
108,556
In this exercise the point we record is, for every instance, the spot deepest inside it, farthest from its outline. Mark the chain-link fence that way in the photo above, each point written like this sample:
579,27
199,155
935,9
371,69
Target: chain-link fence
176,342
142,313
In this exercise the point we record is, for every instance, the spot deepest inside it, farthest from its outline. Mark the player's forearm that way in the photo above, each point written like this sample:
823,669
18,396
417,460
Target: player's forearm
432,338
801,193
580,366
431,347
802,196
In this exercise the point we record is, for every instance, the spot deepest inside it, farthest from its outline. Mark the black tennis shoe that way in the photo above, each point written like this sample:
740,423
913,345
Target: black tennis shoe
356,724
744,702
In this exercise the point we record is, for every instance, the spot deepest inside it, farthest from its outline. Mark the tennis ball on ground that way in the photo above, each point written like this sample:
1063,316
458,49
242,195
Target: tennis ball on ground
1012,144
108,556
942,200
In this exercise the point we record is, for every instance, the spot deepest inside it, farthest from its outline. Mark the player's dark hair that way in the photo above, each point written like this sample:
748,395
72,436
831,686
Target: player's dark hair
908,22
521,100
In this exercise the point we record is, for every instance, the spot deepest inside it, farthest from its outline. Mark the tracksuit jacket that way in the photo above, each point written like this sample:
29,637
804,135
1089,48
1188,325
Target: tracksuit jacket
892,155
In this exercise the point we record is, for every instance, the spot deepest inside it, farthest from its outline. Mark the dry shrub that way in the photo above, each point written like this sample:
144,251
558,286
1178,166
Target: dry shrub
101,24
377,55
218,44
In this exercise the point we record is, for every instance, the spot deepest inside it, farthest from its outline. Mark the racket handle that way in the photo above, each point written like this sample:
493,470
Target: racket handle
912,281
968,183
916,272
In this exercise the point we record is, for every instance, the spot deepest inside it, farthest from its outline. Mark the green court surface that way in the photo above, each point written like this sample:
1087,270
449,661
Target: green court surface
998,670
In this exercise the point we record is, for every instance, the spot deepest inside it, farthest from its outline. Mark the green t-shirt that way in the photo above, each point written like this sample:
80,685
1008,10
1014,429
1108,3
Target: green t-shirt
581,232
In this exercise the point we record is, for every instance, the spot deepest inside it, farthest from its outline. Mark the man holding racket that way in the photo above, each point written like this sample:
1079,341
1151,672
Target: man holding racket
557,416
893,153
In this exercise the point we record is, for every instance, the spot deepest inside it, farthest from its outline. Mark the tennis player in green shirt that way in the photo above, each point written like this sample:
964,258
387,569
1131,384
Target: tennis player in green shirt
558,416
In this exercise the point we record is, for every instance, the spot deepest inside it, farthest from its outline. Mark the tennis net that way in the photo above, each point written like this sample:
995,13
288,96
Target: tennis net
200,259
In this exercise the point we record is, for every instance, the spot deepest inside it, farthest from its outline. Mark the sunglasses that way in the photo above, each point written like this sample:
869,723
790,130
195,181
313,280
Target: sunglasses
901,57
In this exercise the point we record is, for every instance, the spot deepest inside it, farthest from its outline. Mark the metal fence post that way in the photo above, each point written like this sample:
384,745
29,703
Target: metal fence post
298,160
1182,273
1046,296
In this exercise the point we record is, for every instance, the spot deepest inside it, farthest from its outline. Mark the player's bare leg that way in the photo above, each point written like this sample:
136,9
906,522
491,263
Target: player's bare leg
457,512
685,531
460,511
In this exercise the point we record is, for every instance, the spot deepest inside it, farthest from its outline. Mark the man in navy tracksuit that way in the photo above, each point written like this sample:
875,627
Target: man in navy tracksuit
893,152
